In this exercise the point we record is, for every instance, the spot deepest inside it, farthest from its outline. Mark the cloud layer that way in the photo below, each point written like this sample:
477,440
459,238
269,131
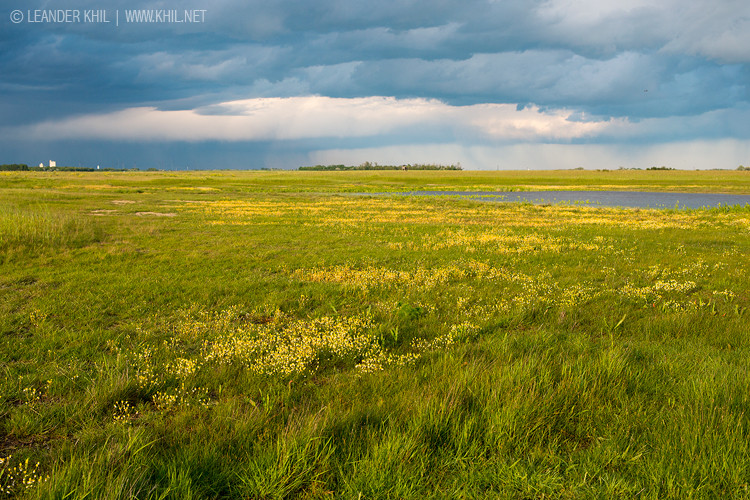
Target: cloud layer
316,117
476,72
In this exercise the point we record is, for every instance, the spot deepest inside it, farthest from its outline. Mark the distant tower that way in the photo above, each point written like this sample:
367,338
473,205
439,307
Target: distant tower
52,163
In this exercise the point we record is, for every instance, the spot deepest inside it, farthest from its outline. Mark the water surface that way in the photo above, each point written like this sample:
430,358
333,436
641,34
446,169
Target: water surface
627,199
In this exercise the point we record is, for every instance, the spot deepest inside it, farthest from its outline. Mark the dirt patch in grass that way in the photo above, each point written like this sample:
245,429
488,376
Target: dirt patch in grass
156,214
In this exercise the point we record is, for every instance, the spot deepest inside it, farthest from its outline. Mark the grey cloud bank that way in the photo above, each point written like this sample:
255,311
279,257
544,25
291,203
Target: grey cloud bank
355,78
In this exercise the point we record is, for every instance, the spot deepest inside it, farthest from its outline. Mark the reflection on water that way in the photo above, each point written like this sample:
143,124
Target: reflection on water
630,199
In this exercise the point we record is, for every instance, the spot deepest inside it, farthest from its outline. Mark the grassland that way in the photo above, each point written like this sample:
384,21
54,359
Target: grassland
270,335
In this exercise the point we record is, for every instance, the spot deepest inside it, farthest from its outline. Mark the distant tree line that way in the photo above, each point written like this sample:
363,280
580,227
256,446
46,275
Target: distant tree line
374,166
741,168
14,167
71,169
62,169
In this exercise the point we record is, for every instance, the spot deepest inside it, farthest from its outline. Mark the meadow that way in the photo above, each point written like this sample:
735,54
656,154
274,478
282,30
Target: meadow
296,335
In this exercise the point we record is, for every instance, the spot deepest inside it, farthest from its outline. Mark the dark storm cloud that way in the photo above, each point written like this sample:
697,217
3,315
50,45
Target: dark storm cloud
548,53
637,60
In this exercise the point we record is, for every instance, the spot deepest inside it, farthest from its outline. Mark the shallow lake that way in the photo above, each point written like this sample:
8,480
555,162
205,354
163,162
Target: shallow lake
629,199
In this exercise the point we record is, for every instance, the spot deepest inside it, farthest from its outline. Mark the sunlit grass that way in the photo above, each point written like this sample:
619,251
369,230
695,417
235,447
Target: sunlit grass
270,340
39,227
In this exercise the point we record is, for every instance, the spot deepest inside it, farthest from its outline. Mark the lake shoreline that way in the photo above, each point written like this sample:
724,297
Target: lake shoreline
623,199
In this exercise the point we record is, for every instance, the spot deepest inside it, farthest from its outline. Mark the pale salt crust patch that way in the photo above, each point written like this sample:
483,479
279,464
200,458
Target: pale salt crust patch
156,214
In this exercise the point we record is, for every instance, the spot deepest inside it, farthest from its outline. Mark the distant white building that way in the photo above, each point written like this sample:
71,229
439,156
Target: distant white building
41,165
52,163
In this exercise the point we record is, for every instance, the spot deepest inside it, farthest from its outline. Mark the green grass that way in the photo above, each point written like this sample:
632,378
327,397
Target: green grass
38,228
260,335
203,184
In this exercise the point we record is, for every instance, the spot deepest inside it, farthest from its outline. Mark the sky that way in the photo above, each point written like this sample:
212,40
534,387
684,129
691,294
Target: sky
503,84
